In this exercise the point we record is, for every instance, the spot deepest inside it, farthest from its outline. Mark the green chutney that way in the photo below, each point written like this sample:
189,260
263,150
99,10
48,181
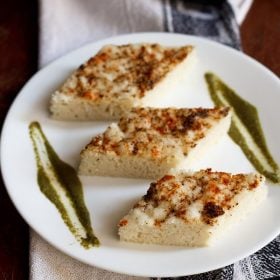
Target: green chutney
60,183
245,130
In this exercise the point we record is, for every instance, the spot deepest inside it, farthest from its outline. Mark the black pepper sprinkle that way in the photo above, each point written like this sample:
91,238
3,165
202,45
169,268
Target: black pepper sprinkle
211,210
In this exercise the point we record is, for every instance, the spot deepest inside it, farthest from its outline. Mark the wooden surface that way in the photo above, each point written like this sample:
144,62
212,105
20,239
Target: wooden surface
18,49
260,33
18,61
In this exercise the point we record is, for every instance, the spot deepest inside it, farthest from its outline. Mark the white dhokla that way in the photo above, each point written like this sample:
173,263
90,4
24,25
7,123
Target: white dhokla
192,209
148,142
119,78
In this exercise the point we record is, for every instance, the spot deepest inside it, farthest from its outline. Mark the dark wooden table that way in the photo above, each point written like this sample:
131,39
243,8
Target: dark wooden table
19,52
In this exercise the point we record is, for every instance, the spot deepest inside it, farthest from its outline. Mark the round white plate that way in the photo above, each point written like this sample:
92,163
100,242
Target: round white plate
108,199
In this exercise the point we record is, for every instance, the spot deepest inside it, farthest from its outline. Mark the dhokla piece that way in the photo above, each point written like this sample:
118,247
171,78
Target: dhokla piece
148,142
192,209
119,78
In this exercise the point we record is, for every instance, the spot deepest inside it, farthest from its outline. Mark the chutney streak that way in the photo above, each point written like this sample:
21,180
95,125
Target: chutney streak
245,130
61,185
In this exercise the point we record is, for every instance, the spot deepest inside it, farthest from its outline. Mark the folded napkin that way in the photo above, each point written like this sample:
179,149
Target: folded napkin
68,24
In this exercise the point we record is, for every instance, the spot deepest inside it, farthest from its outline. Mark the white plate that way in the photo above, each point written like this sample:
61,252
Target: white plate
108,199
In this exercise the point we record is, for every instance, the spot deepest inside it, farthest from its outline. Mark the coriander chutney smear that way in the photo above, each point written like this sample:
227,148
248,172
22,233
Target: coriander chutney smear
60,183
245,130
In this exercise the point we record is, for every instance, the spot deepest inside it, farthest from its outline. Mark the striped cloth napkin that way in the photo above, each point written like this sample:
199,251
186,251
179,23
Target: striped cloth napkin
68,24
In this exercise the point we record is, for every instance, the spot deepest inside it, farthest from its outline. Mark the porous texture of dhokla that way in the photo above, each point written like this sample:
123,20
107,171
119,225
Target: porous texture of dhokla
119,78
148,142
192,209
